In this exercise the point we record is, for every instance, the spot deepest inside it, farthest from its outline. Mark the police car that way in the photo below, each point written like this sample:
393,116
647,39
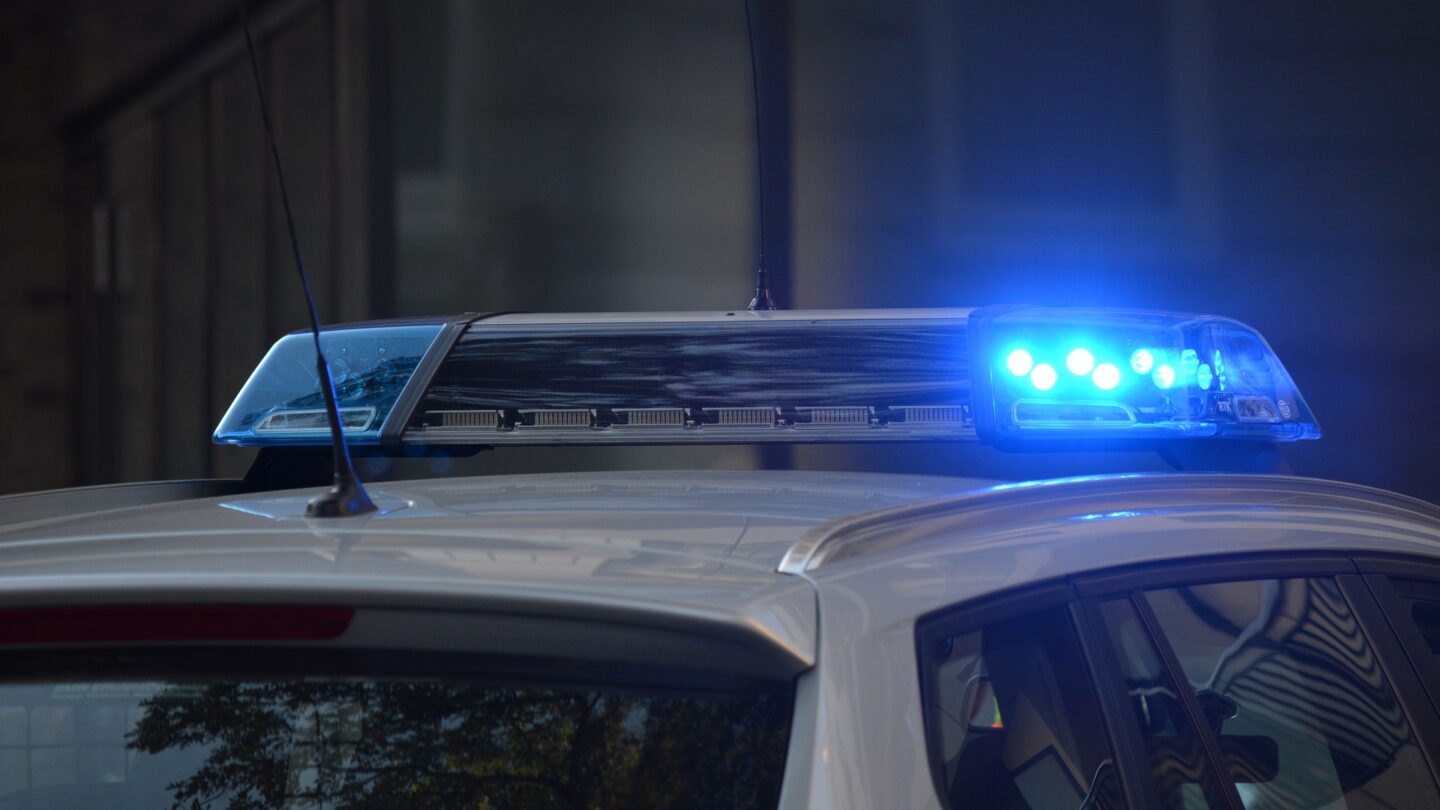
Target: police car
1206,638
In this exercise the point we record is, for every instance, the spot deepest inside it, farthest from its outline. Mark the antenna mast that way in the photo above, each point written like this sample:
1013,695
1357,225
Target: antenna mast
347,497
762,299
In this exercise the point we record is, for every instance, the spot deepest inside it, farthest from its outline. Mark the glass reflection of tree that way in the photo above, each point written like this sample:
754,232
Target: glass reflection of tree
424,744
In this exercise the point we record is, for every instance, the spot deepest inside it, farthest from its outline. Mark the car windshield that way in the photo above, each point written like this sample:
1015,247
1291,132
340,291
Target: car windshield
340,743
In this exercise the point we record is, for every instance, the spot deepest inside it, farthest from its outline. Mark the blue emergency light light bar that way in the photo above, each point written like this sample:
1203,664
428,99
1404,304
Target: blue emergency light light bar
1059,373
1005,375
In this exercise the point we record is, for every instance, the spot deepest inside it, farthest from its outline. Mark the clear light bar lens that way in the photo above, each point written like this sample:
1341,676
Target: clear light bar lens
282,404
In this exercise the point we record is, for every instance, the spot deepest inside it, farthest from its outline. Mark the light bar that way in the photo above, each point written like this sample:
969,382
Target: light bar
999,375
1061,373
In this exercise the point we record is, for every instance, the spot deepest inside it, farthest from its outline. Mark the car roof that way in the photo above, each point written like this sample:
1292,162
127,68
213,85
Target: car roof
740,527
693,546
741,518
717,547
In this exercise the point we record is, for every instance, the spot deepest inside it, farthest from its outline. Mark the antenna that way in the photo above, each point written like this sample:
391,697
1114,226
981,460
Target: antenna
762,299
347,497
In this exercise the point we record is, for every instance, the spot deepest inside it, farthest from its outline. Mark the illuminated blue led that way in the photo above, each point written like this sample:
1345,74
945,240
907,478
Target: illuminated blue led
1106,376
1090,369
1204,377
1189,362
1019,362
1142,361
1043,377
1164,377
1080,362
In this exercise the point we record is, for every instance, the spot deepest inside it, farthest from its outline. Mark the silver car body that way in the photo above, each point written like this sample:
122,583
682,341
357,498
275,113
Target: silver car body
818,577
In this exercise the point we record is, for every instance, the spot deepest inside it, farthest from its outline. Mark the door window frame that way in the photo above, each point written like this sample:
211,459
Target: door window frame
976,616
1379,573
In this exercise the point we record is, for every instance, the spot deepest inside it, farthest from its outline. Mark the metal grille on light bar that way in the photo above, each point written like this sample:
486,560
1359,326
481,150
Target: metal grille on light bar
832,416
650,417
464,419
743,417
568,418
934,415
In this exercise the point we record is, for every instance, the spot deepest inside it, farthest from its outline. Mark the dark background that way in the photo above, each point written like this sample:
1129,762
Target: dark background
1274,162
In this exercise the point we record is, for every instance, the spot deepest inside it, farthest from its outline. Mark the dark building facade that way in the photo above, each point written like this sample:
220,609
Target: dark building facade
1278,163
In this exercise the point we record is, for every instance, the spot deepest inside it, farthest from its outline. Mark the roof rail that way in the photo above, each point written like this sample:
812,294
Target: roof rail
1087,498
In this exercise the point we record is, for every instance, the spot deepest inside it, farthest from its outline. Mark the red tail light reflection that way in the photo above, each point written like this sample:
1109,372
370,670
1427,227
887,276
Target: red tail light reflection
144,623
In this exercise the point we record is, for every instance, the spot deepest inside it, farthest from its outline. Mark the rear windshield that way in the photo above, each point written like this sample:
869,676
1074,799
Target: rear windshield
336,742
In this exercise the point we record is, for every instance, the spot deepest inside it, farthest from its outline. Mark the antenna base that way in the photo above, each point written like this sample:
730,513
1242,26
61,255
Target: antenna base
762,299
345,499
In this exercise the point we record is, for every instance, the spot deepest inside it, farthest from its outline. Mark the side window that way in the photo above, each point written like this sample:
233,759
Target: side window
1296,700
1180,772
1013,718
